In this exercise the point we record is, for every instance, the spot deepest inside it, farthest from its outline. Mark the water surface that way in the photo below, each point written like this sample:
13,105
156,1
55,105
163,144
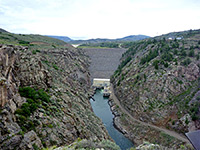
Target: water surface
102,110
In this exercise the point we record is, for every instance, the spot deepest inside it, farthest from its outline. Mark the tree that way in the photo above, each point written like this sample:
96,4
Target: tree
183,53
166,64
191,53
155,63
197,57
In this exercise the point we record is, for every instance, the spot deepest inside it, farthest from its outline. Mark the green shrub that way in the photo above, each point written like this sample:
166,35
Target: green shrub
155,64
173,122
34,100
194,117
43,95
166,65
175,52
186,62
24,42
53,142
50,125
191,53
35,147
28,92
55,67
106,144
19,111
197,57
175,45
151,55
183,53
34,52
167,56
186,121
26,109
53,46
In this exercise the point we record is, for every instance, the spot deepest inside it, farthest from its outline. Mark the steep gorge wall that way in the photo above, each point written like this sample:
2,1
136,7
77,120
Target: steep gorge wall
59,76
157,82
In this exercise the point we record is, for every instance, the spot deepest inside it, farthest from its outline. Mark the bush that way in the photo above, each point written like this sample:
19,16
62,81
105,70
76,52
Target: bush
191,53
19,111
186,62
175,52
24,42
194,117
34,52
149,57
55,66
175,45
167,57
166,65
183,53
155,64
186,121
197,57
34,95
28,92
106,144
34,99
26,109
42,95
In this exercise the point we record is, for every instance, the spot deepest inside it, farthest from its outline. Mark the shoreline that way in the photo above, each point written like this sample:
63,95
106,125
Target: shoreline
116,118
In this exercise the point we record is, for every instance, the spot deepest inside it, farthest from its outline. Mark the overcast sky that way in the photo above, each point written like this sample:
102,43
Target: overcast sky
99,18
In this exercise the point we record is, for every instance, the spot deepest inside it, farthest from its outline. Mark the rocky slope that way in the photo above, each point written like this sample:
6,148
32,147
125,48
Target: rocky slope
44,97
157,82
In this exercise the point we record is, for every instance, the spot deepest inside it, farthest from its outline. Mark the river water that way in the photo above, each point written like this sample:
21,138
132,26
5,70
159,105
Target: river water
102,110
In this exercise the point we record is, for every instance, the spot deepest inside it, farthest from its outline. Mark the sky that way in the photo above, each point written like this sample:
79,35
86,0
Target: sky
85,19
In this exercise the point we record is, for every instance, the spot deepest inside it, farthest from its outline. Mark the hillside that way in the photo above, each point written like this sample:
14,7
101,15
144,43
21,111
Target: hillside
63,38
2,30
99,40
44,101
133,38
157,82
32,41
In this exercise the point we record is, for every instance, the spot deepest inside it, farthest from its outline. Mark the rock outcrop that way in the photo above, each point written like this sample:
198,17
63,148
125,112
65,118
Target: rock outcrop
57,110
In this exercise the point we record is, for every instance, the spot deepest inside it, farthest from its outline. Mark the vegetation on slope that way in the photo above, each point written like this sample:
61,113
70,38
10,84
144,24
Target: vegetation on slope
44,102
32,41
158,80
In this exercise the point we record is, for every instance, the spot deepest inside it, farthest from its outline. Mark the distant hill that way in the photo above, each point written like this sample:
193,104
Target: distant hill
2,30
133,38
63,38
99,40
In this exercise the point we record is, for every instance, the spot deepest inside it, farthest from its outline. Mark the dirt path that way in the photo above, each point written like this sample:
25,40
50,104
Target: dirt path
171,133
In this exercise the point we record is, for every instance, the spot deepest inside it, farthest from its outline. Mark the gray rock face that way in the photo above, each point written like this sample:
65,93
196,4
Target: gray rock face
63,74
12,143
30,141
158,83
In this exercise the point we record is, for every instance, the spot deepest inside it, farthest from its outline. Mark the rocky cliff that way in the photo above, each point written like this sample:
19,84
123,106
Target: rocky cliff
157,82
44,98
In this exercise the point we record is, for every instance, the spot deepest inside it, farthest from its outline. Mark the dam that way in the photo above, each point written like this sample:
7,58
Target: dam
99,83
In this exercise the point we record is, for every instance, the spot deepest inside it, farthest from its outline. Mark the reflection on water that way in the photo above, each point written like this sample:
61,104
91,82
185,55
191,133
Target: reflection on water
102,110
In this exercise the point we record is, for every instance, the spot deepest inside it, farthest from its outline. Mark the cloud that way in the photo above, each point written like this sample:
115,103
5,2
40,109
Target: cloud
99,18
